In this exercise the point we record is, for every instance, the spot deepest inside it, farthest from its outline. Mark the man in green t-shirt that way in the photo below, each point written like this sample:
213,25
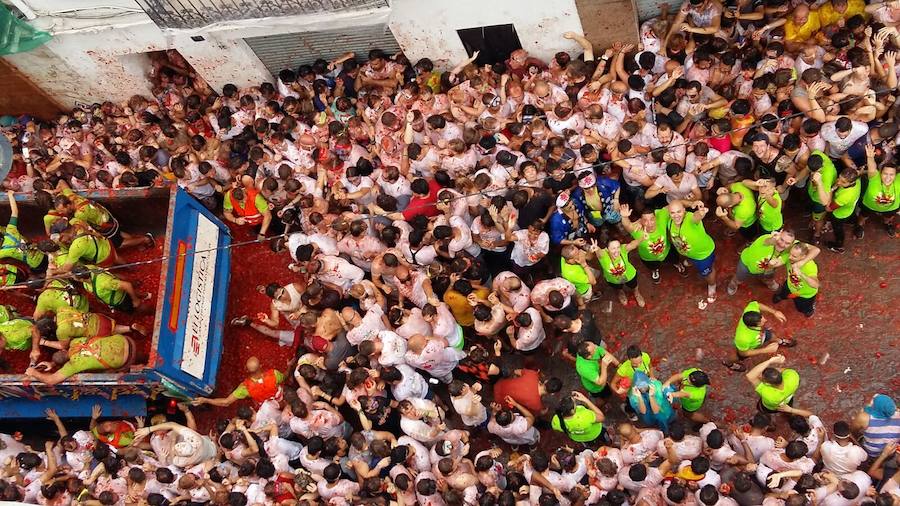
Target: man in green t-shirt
57,294
579,418
736,207
802,282
694,385
840,200
15,247
752,337
821,178
18,334
574,268
74,207
107,353
690,239
86,248
113,291
7,313
591,364
769,204
761,257
775,387
881,194
655,247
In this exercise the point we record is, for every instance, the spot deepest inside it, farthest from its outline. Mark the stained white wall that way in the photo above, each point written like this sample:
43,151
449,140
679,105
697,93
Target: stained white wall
88,58
92,59
43,7
428,28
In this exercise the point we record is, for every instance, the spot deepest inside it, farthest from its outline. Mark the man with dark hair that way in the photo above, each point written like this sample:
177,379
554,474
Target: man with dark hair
840,454
752,337
775,387
592,365
694,384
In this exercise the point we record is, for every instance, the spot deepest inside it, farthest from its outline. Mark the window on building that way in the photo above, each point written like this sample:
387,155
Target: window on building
494,42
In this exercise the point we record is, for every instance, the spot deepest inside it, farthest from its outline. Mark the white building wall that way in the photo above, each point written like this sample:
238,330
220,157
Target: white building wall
94,59
91,57
428,28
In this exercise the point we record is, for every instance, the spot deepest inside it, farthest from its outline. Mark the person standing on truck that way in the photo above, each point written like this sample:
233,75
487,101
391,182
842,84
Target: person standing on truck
59,293
19,334
260,385
69,323
73,206
15,249
116,293
85,247
85,354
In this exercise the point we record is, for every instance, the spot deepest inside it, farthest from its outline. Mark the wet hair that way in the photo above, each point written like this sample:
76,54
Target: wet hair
637,472
799,425
28,460
237,499
137,475
796,449
315,445
164,475
399,454
504,417
633,351
698,378
700,464
760,421
752,319
332,473
553,385
709,495
426,487
715,439
771,376
676,493
523,320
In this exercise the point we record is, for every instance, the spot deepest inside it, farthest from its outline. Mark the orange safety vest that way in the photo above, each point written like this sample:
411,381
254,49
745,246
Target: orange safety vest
247,209
261,391
122,427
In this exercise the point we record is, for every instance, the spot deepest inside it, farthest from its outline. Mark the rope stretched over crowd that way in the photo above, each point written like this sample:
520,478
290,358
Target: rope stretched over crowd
96,270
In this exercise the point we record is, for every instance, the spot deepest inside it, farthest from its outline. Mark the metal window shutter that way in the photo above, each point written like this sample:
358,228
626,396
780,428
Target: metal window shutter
650,8
290,50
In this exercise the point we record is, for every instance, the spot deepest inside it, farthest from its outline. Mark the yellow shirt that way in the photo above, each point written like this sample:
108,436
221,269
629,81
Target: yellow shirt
803,32
828,16
460,307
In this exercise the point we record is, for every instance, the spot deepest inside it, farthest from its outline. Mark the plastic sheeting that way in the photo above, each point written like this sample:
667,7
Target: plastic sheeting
17,36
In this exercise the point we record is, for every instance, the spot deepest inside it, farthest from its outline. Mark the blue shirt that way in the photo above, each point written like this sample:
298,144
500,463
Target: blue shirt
560,227
607,189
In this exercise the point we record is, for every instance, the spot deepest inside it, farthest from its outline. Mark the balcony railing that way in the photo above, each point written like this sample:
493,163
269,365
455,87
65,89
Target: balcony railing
189,14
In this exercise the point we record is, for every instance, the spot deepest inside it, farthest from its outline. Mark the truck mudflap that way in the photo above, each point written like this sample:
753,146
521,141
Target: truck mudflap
186,347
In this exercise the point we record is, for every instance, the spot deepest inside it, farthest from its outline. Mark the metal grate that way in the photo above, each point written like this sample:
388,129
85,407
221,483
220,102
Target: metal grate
290,50
650,8
187,14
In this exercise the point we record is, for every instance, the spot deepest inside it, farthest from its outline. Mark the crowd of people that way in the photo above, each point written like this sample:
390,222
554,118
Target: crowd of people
449,232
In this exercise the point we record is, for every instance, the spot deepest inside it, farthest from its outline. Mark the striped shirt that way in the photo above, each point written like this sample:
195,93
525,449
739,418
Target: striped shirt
880,433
